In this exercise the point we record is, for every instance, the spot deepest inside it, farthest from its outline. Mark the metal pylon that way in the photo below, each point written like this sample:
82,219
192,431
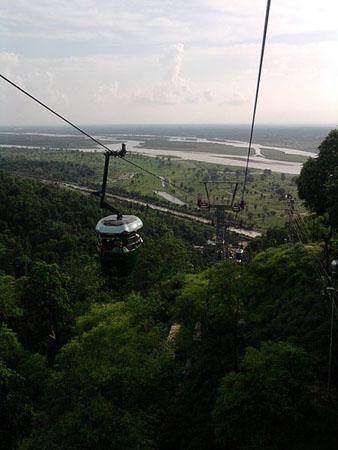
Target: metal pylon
220,232
222,205
290,209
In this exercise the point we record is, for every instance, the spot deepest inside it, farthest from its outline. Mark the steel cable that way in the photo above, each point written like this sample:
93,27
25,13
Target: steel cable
256,95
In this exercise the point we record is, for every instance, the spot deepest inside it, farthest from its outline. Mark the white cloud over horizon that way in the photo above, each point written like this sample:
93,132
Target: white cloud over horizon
101,61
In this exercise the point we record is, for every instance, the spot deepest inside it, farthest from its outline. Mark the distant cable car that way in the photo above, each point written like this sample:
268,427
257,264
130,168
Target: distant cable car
119,242
202,204
239,255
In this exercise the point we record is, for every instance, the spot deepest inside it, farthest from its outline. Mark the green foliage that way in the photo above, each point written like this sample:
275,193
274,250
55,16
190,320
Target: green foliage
84,283
15,409
190,303
38,222
317,183
206,302
58,170
267,405
113,379
161,258
282,298
9,307
272,238
22,379
47,309
10,348
332,195
109,387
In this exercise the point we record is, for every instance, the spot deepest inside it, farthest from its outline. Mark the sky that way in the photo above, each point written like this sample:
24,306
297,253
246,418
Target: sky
169,61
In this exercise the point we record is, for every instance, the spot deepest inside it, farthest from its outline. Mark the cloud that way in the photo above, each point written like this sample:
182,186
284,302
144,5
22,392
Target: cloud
177,64
235,100
174,88
10,68
117,21
168,60
15,68
138,23
105,93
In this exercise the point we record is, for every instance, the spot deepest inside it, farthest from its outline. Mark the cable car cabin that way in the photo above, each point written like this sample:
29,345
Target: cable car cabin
119,243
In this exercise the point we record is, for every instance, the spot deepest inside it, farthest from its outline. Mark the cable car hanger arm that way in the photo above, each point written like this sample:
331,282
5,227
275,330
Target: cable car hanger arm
102,193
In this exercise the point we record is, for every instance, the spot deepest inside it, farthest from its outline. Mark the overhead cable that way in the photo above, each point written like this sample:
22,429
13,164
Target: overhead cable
256,96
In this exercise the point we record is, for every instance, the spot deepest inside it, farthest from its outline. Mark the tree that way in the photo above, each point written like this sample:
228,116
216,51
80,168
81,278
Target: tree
9,304
22,379
15,408
110,387
209,302
164,257
267,405
281,294
318,179
332,194
47,310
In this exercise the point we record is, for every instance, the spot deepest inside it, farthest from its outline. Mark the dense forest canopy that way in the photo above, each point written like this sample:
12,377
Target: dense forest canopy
184,354
318,181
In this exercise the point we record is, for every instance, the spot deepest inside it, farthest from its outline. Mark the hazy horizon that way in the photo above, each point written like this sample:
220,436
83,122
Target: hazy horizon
178,124
280,148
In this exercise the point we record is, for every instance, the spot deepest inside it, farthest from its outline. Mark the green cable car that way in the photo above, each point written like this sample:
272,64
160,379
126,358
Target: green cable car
119,242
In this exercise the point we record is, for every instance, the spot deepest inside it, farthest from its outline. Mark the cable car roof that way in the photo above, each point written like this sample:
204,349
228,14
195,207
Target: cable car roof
112,225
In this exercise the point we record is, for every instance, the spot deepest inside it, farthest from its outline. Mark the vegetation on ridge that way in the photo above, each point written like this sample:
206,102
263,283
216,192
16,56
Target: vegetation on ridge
86,362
